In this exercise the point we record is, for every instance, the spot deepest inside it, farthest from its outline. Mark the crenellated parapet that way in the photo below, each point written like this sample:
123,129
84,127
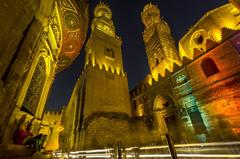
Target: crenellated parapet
105,68
100,103
53,113
164,58
214,27
51,117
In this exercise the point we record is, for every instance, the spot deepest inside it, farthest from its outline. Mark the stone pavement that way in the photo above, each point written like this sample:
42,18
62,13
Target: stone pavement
11,151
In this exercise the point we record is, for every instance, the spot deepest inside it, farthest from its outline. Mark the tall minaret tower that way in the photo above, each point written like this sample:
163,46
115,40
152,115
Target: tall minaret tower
160,46
105,105
104,46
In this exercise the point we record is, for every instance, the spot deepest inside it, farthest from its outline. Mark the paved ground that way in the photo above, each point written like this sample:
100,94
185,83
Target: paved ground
12,151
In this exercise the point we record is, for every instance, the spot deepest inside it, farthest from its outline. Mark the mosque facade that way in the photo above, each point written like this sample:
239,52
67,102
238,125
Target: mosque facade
192,92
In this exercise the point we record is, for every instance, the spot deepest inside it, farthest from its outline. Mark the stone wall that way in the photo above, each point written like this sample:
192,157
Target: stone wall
15,17
31,33
19,26
206,107
217,96
105,132
106,91
106,108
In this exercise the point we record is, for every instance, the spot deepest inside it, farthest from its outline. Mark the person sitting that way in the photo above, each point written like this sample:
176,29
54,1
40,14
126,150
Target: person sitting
24,136
21,135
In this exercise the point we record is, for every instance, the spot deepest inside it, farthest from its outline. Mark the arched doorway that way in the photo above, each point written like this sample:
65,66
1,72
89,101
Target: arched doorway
32,97
165,113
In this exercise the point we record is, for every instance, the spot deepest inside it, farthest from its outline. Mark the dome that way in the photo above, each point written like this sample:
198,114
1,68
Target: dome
102,10
150,15
151,7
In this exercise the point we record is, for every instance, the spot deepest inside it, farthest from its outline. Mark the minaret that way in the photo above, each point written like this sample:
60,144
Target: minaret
159,44
104,46
104,98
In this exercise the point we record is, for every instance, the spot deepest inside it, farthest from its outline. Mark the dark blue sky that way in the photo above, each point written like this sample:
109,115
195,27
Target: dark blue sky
180,15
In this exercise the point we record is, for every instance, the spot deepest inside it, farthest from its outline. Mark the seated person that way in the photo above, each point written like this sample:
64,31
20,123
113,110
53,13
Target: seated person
21,135
24,136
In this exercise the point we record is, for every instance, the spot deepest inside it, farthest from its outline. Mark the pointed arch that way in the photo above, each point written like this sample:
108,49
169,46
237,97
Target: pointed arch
199,42
164,110
31,96
209,67
162,102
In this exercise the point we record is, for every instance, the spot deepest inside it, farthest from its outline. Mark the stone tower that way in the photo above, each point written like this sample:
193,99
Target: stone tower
104,105
160,46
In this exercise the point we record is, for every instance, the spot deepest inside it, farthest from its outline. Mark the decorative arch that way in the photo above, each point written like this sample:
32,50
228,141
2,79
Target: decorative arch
200,42
162,102
32,93
162,110
73,21
209,67
35,87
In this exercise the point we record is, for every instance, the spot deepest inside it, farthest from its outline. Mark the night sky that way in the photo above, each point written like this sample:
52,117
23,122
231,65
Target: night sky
180,15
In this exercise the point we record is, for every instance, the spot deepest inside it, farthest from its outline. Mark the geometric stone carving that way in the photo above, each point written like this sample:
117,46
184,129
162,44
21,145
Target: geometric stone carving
35,87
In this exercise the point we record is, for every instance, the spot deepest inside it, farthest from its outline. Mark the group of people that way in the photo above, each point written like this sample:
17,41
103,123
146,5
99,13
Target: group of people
24,136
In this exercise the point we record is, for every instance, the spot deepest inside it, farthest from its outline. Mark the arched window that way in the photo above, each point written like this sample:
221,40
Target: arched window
209,67
199,39
31,101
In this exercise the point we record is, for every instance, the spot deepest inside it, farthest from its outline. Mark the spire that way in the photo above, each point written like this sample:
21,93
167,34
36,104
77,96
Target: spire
160,46
150,15
103,10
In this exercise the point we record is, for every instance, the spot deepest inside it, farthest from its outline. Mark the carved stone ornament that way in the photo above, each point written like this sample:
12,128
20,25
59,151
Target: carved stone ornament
34,91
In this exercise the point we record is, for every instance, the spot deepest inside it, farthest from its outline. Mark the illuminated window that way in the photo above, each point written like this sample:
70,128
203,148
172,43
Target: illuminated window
209,67
199,39
109,52
181,79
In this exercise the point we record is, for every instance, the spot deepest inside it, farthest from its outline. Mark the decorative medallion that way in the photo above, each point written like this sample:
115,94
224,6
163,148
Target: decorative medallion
73,17
71,21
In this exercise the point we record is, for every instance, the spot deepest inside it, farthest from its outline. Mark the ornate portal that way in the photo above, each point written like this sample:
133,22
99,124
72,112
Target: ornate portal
35,88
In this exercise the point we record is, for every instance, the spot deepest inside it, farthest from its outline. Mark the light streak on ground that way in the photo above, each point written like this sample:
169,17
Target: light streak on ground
154,155
153,147
158,155
209,144
97,156
131,148
194,150
193,145
190,155
91,151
